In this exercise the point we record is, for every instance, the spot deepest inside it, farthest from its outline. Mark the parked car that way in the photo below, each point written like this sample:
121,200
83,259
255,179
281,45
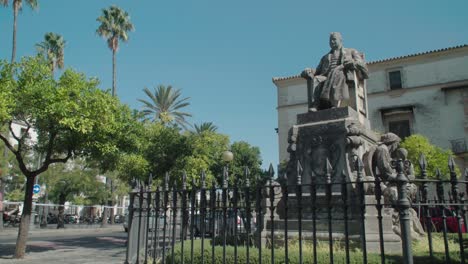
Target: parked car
11,218
239,222
125,223
438,222
197,227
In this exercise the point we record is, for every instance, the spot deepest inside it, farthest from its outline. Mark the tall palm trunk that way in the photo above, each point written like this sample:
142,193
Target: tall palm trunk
15,18
25,219
114,92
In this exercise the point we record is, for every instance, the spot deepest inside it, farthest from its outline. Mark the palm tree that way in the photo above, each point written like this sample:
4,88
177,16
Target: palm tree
164,105
115,25
52,49
205,126
17,6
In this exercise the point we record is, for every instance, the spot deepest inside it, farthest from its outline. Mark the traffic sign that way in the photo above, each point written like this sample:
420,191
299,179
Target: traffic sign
36,189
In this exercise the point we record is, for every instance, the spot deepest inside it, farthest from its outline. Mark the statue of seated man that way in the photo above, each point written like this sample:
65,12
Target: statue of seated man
328,85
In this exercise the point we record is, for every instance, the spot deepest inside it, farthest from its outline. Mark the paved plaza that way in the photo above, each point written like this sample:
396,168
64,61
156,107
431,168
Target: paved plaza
105,245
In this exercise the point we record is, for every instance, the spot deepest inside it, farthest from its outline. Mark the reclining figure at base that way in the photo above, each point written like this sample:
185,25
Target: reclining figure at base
382,167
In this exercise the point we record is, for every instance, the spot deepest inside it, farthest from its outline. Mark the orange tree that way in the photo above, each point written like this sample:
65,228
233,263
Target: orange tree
71,116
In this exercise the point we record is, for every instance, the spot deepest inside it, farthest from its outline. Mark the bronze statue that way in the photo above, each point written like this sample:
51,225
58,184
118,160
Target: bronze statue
327,86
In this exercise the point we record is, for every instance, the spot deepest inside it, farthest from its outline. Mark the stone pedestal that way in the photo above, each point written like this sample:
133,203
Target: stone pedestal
336,135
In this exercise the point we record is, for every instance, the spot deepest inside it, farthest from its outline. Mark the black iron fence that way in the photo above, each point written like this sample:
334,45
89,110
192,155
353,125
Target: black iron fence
348,220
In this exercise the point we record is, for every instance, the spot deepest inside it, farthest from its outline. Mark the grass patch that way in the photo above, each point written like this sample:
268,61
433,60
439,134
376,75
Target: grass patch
420,253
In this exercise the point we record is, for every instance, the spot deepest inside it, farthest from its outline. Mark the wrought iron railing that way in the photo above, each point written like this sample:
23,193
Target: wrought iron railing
337,221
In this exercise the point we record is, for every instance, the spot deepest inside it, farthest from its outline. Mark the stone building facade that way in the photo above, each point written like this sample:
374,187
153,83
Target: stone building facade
424,93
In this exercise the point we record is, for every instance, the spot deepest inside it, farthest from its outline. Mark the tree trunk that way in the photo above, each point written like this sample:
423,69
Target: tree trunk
15,17
2,185
2,191
114,92
45,211
60,217
104,217
112,213
25,219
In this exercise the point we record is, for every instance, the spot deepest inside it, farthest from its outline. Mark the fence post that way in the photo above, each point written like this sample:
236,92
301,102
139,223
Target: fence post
441,202
129,226
359,167
247,211
425,200
328,180
454,183
299,207
403,208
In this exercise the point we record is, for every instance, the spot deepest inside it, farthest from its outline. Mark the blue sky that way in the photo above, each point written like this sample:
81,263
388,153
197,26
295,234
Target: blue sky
223,54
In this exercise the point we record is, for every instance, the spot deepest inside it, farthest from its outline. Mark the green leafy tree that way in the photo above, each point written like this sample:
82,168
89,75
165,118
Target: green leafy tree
114,27
52,48
66,182
205,126
158,149
165,145
248,156
205,152
17,6
71,116
437,158
164,105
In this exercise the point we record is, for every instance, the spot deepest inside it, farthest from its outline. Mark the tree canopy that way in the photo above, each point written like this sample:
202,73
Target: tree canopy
437,158
71,116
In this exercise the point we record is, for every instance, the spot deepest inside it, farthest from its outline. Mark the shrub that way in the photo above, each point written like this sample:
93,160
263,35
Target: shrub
436,157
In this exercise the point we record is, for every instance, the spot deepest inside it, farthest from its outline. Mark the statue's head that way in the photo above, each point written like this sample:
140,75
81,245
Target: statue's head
391,140
336,41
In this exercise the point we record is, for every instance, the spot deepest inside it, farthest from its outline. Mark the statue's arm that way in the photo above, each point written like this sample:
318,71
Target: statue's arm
320,67
359,64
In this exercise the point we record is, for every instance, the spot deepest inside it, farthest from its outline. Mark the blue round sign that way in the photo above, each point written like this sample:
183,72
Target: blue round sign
36,188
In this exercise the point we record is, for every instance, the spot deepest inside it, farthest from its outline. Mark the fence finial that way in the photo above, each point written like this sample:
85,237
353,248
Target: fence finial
451,164
166,181
184,180
299,173
150,180
422,162
438,174
271,171
225,177
246,175
328,171
203,176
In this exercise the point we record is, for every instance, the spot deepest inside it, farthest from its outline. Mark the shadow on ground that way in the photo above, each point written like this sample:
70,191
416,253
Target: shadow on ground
91,241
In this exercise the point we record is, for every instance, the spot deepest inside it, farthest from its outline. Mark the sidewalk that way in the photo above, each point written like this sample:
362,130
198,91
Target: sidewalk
71,246
69,228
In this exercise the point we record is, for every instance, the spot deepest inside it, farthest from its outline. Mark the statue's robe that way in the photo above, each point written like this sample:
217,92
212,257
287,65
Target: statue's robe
332,81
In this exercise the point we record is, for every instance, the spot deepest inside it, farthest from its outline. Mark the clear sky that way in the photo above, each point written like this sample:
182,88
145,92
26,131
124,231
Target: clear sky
223,54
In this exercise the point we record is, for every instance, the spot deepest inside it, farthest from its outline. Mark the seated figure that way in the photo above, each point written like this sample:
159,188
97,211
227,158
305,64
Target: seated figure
328,84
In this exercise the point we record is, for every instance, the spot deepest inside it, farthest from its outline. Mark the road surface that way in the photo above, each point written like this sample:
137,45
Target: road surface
68,246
